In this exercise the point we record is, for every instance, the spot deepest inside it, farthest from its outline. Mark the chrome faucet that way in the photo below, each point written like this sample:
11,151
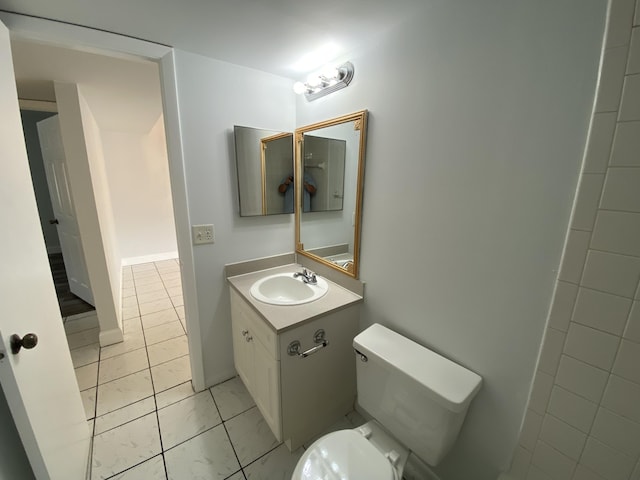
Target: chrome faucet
307,276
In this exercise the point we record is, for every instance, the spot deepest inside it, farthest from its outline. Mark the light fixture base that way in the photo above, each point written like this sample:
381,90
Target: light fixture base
345,75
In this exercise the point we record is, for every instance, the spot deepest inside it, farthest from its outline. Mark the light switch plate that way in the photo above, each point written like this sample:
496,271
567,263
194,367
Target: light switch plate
202,234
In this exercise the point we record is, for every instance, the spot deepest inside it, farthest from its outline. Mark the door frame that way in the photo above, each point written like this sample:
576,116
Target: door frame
111,44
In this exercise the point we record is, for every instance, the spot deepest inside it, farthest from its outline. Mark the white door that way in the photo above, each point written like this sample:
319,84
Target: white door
39,384
55,166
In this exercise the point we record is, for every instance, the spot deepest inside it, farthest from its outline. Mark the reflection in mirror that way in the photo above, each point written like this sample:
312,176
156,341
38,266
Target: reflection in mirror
264,160
331,155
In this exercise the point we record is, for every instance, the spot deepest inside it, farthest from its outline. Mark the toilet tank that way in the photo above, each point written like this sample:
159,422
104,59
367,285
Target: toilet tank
417,395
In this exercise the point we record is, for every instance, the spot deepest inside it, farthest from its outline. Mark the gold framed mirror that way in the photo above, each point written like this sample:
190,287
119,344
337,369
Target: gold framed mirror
329,175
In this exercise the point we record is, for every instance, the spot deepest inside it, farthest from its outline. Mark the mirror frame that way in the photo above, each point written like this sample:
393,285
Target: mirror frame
360,123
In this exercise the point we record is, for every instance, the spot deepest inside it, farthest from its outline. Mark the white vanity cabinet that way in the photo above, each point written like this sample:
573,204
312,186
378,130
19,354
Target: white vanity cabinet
299,396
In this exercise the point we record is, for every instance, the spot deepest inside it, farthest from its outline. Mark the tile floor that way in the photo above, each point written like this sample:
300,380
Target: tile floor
147,421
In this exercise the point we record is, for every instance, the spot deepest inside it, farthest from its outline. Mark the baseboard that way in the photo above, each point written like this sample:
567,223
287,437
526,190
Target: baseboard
54,249
157,257
110,337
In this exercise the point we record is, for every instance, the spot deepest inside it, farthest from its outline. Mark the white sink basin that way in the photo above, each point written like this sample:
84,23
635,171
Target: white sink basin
284,289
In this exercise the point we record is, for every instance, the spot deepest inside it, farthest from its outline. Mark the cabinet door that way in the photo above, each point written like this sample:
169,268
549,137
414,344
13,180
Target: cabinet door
267,387
242,348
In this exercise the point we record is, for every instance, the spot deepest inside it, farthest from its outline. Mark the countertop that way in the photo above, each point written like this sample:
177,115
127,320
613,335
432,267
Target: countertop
284,317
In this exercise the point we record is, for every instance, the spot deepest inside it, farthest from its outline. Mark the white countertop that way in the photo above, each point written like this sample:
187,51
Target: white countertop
284,317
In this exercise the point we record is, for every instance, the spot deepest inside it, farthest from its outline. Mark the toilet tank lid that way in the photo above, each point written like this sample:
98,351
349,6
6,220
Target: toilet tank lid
450,384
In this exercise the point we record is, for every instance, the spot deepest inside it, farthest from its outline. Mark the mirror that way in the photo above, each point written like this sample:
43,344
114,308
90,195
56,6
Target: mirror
264,163
330,174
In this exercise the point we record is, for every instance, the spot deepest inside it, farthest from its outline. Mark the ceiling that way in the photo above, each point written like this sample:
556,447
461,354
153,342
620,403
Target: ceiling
269,35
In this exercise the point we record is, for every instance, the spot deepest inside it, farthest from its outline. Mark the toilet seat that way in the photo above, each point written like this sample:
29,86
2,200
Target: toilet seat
343,455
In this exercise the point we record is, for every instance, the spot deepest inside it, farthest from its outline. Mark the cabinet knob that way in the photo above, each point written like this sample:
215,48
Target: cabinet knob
249,338
245,333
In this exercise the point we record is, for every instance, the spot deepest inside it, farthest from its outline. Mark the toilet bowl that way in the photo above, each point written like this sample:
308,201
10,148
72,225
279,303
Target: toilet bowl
418,401
366,452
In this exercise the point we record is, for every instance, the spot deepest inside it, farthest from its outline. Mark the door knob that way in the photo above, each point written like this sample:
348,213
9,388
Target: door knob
54,221
29,341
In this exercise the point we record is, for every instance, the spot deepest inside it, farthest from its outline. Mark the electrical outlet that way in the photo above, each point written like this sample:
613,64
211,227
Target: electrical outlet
202,234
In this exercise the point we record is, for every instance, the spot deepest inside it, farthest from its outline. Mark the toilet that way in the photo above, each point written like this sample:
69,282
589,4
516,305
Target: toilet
418,401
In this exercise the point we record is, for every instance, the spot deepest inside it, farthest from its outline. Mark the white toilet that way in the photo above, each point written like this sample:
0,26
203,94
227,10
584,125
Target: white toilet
418,399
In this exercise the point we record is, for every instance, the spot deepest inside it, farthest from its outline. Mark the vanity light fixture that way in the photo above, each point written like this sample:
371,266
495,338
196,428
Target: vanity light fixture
327,82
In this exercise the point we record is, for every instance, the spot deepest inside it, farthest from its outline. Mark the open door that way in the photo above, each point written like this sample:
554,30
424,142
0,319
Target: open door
38,380
55,166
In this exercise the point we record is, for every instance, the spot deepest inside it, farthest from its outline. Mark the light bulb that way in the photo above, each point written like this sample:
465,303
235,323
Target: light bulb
330,72
314,81
299,88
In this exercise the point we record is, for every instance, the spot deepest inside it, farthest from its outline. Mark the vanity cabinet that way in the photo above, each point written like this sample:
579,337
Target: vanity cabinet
299,396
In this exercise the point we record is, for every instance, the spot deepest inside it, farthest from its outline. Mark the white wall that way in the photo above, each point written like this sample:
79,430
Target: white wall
138,178
213,97
87,178
583,419
478,118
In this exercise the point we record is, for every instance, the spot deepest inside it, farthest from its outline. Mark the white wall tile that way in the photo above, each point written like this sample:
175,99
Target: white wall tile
605,461
621,191
583,473
618,432
602,311
574,255
611,79
632,332
636,472
530,430
562,436
540,393
633,65
622,397
563,301
627,364
620,20
592,346
552,462
617,232
586,204
630,105
636,18
580,378
551,350
536,474
610,272
626,145
520,463
599,144
572,409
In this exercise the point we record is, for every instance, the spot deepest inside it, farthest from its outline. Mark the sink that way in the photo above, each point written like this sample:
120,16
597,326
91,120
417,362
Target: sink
284,289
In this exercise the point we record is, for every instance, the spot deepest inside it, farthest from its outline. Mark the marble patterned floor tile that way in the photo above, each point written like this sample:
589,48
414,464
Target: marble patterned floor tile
124,391
278,464
173,282
355,419
174,291
250,435
131,325
132,341
158,318
145,273
89,402
129,302
143,267
87,376
180,311
123,365
170,275
152,287
121,448
183,322
187,418
237,476
128,292
232,398
174,394
124,415
83,338
128,283
342,424
130,312
79,323
148,280
168,350
155,306
163,332
209,456
177,301
152,296
152,469
171,373
85,355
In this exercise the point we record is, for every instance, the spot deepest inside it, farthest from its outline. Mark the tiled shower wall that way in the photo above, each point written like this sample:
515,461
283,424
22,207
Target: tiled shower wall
583,419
